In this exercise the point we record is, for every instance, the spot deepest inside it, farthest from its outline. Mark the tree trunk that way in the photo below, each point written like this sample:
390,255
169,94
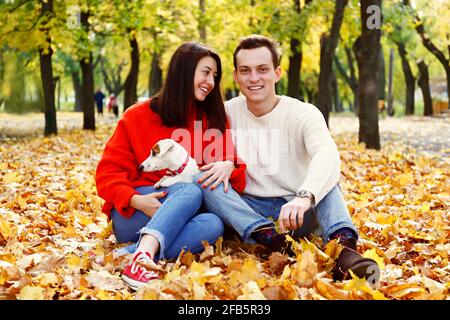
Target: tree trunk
295,63
328,45
390,101
87,93
381,76
58,83
45,59
366,49
351,79
409,79
112,78
424,84
77,90
132,79
87,81
201,21
434,50
155,81
336,100
2,75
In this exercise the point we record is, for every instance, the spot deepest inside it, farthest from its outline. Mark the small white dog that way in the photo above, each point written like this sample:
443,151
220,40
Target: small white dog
168,154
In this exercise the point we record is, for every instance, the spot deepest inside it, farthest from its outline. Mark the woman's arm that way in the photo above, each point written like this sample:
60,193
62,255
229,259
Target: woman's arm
115,171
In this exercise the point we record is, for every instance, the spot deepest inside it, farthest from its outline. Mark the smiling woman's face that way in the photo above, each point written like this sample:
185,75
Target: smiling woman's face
204,75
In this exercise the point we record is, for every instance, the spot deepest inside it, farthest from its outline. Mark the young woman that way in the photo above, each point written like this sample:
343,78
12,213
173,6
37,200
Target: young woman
162,222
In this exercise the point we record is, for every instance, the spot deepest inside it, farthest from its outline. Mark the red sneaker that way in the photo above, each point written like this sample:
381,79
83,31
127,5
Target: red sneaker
135,275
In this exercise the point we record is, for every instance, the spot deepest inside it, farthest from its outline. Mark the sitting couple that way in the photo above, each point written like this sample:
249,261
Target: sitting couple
242,187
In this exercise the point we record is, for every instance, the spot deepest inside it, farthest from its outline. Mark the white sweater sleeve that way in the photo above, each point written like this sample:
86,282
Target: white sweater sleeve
325,166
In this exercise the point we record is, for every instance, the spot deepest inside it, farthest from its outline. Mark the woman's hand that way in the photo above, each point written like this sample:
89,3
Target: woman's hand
148,203
217,172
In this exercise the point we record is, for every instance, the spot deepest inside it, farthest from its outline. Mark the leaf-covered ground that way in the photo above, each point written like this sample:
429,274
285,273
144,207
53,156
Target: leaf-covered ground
56,244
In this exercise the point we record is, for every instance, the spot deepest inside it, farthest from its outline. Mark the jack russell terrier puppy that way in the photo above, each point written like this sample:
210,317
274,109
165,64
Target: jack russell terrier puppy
170,155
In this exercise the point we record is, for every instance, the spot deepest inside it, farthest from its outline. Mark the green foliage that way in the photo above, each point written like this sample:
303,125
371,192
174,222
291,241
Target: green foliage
162,25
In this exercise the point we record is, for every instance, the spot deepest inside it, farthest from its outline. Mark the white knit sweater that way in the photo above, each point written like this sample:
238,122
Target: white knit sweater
286,150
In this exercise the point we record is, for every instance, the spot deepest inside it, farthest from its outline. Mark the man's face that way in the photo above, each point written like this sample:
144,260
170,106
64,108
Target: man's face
255,74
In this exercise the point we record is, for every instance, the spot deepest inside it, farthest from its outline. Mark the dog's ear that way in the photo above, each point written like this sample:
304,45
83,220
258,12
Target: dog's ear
155,149
162,147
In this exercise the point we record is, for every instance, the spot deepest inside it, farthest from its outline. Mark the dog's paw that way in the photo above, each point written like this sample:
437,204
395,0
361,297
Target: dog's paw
165,184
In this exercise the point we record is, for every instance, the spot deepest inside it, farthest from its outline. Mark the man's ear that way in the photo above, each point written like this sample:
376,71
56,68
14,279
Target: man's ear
162,147
278,73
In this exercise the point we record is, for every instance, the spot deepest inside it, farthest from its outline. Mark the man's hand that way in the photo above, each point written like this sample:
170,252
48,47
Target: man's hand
217,172
291,214
148,203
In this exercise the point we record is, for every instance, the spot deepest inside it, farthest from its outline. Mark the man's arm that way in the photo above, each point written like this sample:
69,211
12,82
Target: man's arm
325,167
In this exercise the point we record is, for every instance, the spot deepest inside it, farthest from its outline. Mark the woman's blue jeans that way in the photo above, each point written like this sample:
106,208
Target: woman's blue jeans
177,224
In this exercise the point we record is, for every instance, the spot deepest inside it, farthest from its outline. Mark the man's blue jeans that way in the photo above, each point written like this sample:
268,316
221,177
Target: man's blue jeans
177,224
247,213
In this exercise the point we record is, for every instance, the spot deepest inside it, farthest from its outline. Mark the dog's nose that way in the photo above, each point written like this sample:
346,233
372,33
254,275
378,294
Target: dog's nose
141,167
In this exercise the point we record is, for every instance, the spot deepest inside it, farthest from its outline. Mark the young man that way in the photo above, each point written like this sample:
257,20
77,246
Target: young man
293,165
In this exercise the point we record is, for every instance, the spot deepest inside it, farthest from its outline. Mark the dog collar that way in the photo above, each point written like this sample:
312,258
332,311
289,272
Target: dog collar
172,173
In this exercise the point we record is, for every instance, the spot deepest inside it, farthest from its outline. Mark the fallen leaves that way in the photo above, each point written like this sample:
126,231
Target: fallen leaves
55,242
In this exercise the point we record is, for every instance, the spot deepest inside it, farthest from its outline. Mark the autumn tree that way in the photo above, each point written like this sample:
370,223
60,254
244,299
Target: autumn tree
366,49
328,44
31,27
430,44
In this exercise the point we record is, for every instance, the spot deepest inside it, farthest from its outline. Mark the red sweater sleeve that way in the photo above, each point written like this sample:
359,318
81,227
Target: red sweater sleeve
115,171
237,178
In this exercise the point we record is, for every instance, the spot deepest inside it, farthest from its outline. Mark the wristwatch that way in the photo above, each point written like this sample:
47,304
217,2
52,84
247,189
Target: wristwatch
306,194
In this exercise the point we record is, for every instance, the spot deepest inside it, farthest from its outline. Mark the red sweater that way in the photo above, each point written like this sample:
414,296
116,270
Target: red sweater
137,131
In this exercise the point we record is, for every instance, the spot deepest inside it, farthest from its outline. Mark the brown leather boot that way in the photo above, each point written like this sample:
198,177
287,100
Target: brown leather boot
350,259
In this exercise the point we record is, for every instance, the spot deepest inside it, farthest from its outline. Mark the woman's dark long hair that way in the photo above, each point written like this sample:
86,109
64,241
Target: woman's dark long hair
173,100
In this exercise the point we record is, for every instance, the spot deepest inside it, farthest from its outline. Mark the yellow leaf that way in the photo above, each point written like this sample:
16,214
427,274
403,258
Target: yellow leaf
73,261
361,284
106,231
5,229
286,273
31,293
306,269
22,202
405,179
251,291
425,208
372,254
70,231
49,279
405,290
11,177
84,221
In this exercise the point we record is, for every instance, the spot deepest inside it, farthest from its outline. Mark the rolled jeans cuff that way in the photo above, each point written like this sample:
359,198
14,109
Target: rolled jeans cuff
158,235
336,227
246,237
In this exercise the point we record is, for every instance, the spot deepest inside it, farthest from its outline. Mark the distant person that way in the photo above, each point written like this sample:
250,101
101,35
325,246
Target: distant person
99,96
112,105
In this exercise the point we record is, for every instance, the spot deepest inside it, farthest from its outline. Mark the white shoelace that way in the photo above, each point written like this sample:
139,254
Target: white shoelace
135,267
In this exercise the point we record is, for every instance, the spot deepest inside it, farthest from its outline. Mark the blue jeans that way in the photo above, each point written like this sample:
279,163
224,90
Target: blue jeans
247,213
177,224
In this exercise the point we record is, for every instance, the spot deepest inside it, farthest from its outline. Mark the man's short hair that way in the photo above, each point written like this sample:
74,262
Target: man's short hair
255,41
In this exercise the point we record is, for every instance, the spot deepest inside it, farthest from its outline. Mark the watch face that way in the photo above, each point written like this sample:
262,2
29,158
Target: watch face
302,193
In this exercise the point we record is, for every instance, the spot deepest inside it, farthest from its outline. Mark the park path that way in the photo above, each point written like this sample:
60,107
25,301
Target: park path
425,134
428,135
